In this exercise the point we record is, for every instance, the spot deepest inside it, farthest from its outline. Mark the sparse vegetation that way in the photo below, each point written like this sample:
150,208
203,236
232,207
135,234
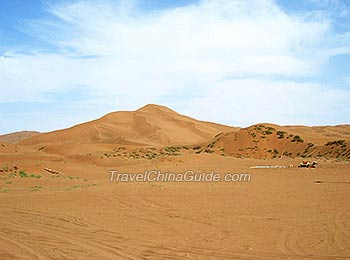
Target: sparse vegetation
269,130
171,149
23,174
297,139
280,134
211,145
35,188
338,142
252,134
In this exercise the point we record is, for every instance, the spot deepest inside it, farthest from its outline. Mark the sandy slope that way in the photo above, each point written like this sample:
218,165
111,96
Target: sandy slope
321,134
17,136
6,148
150,125
273,141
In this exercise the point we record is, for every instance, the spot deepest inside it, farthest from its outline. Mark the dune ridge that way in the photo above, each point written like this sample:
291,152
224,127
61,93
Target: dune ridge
159,126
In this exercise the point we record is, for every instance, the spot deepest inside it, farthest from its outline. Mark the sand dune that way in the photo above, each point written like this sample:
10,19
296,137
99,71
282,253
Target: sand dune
150,125
17,136
159,126
274,141
321,134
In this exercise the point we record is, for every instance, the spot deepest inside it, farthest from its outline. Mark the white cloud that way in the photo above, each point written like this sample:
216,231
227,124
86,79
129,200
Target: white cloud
250,101
118,52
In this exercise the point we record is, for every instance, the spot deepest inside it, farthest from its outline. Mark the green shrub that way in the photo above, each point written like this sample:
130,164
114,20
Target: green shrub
23,174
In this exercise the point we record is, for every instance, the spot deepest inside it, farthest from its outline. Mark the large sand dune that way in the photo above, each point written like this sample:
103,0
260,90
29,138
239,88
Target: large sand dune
150,125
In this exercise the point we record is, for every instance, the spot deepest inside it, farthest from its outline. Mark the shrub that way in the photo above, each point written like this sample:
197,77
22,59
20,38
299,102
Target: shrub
297,139
23,174
338,142
280,134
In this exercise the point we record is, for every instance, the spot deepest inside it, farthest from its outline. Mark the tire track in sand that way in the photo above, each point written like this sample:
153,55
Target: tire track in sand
332,238
42,236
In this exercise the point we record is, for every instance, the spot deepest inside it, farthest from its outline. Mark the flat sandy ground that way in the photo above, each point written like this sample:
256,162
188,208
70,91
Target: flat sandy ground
279,214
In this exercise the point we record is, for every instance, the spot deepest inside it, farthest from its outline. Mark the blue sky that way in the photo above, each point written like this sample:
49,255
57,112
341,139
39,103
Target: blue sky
236,62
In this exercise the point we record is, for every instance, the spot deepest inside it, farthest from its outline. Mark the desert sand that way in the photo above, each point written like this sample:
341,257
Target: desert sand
78,213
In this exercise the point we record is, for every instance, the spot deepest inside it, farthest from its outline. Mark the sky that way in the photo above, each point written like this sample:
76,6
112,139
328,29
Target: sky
234,62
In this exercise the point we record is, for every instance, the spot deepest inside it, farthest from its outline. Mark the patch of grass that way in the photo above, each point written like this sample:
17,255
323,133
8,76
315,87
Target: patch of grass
4,190
23,174
9,182
35,176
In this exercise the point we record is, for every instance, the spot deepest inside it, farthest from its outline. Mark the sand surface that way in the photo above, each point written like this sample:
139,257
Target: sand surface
284,213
